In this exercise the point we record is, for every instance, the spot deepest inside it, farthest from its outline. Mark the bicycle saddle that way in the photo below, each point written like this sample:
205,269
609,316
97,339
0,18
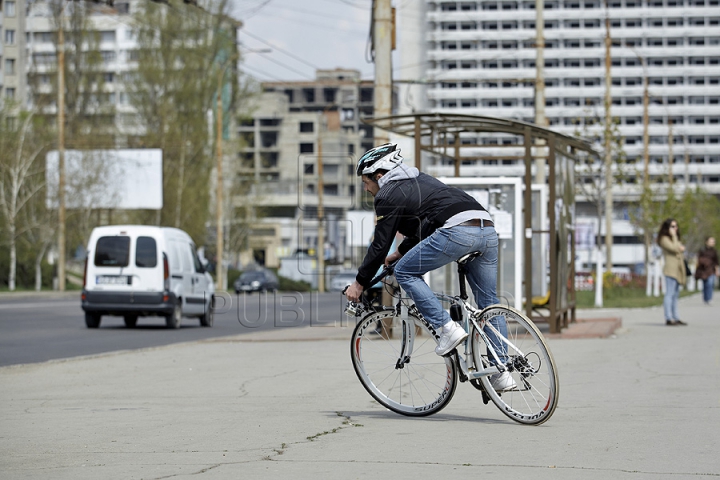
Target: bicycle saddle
466,258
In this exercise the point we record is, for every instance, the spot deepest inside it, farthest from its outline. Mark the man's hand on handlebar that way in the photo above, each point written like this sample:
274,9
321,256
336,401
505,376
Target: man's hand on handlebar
354,291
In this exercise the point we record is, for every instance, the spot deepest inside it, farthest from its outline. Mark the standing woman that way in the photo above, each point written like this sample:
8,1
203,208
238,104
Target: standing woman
707,268
674,271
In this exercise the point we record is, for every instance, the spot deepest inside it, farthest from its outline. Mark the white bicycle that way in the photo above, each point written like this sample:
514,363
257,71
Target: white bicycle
394,357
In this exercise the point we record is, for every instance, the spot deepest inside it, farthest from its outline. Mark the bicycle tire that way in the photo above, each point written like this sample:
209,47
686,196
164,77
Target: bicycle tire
535,374
419,384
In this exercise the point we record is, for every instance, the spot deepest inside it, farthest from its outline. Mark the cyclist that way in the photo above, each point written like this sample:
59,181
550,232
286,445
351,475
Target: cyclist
440,224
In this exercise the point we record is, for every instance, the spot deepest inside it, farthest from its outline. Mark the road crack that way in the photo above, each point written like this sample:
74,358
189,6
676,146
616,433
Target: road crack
346,423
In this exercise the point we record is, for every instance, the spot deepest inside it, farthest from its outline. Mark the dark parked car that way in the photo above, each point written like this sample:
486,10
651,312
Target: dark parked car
341,280
256,281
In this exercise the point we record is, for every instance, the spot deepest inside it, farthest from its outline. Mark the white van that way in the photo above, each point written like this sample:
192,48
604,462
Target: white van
136,271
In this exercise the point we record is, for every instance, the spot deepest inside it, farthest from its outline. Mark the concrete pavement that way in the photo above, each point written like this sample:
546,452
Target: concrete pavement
642,403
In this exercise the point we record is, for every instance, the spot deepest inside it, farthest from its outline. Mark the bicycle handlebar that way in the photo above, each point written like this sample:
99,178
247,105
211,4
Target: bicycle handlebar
387,271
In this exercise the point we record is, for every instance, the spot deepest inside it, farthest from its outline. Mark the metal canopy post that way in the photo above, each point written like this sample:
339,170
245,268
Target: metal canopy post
527,217
552,213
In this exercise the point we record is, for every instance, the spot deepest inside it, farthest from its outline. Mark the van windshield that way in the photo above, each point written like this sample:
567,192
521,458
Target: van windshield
145,252
112,251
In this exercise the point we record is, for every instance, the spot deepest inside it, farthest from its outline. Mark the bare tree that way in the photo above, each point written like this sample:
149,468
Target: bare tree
591,182
21,174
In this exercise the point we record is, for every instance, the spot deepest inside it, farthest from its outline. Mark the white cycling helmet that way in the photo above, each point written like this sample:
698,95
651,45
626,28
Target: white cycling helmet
384,157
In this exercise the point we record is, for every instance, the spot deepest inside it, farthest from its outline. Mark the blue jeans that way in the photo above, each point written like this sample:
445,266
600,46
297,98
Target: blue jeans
672,292
708,286
442,247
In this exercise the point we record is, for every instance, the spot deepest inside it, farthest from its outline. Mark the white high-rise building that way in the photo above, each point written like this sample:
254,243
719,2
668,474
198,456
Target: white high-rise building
478,58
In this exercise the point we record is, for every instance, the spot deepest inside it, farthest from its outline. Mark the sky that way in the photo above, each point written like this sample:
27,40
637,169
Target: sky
303,36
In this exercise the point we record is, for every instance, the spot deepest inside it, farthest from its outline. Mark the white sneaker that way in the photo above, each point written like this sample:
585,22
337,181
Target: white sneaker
503,382
451,335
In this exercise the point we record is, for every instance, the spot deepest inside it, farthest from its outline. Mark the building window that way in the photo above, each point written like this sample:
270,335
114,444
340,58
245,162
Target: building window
9,9
10,37
9,93
307,127
107,36
307,148
9,66
108,56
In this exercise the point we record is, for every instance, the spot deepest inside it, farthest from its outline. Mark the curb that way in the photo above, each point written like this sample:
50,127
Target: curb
589,328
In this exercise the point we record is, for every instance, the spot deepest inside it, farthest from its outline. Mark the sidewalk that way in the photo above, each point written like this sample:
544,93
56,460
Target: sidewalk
641,403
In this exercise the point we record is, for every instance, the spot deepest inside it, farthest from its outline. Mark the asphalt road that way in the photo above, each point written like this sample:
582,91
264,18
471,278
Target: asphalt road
37,328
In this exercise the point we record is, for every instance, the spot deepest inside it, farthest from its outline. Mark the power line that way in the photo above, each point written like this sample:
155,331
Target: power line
309,12
348,2
285,66
245,32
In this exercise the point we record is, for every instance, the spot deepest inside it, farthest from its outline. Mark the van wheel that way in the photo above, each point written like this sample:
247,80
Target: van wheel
173,320
130,321
92,320
208,318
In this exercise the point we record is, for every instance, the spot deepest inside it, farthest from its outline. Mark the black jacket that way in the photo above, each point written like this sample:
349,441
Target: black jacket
414,207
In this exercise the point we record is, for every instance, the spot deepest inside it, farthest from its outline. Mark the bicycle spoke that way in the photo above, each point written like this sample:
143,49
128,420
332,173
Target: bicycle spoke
529,363
416,382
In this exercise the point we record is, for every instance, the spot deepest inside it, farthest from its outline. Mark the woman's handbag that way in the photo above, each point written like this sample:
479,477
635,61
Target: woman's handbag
687,269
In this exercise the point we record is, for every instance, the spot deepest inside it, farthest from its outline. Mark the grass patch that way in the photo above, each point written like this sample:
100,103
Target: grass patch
623,298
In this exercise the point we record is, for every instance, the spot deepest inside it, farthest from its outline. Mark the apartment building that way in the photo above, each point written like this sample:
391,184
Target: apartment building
478,58
297,154
13,60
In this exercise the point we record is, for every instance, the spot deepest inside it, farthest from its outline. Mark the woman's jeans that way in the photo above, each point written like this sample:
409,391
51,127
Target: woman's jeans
442,247
672,292
708,286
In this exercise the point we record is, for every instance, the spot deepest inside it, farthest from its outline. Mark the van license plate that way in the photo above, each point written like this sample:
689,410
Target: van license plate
113,280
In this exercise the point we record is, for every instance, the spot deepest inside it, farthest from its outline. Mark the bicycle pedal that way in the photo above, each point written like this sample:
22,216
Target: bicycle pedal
451,353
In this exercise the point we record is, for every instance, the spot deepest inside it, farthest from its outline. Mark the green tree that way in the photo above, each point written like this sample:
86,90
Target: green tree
181,53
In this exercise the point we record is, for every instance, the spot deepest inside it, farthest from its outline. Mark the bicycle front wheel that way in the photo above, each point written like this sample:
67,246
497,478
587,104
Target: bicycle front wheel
395,360
533,396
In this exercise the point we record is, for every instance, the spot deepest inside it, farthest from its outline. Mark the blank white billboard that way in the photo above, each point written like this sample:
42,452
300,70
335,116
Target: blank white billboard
127,179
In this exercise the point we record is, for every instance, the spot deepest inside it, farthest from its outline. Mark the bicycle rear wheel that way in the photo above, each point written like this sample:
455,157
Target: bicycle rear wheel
400,368
529,362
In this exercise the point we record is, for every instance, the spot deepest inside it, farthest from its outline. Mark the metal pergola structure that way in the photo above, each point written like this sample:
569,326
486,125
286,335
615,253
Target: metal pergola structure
451,136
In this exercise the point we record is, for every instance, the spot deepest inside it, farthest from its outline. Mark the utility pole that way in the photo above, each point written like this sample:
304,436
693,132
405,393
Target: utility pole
671,155
382,47
219,245
321,212
383,42
608,143
61,150
646,170
540,119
